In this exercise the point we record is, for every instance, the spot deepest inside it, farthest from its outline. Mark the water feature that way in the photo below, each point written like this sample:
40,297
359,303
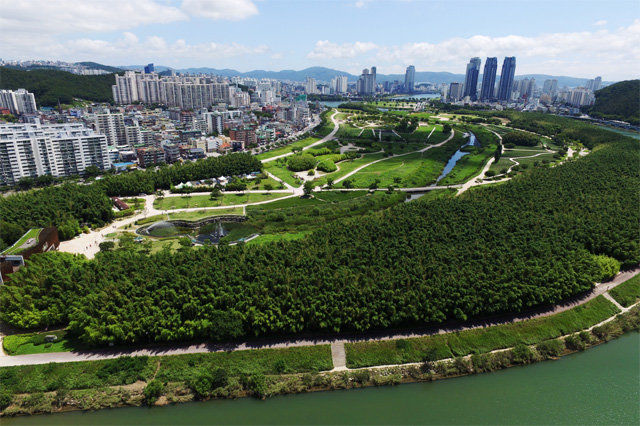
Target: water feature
332,104
599,386
204,231
457,156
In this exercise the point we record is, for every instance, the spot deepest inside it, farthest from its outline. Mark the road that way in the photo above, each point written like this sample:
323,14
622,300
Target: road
57,357
327,138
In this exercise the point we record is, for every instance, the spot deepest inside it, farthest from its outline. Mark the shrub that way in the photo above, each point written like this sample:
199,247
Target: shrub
522,354
300,162
258,384
574,342
152,391
550,348
327,166
5,399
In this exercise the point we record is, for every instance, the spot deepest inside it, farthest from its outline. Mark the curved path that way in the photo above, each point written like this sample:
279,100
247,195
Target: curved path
351,173
336,342
329,137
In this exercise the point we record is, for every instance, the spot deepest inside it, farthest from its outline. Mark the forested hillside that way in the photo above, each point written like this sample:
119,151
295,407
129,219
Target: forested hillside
535,240
49,86
620,101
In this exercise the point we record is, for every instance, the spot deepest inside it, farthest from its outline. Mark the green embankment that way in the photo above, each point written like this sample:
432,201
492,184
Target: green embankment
16,248
195,201
628,292
302,143
479,340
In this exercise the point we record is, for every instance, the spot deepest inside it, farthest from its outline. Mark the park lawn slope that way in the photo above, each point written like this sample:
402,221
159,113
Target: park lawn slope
628,292
195,201
302,143
483,340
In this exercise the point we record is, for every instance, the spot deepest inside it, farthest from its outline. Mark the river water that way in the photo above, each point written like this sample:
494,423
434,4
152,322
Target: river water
455,157
600,386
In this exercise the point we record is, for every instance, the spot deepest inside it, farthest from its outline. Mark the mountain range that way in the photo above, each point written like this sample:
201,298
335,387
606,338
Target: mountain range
323,74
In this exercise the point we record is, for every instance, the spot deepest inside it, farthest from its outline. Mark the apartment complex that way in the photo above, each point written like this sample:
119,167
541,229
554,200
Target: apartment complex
366,84
31,150
185,92
18,101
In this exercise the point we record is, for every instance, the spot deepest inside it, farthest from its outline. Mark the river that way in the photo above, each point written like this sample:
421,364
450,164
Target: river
599,386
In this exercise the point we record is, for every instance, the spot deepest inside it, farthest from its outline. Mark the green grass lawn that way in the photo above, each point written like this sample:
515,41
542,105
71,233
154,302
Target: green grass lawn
151,219
270,238
34,343
407,171
628,292
286,149
469,166
195,201
16,247
347,166
479,340
279,168
197,215
175,368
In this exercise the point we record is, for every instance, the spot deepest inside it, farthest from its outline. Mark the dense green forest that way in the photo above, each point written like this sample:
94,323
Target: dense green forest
166,175
540,238
620,101
65,206
51,86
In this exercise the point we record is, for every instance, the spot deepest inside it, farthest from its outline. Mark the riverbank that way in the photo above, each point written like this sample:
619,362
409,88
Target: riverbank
262,374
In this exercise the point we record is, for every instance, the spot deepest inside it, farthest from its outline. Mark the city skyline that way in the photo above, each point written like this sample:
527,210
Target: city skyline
247,35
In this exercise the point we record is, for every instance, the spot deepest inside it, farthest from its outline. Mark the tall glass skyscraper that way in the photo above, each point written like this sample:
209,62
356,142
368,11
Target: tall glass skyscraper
506,78
409,79
489,79
471,81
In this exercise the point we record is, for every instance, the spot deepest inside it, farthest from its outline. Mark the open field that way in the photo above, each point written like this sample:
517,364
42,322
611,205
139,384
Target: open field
483,340
34,343
287,148
279,169
195,201
197,215
469,166
413,170
270,238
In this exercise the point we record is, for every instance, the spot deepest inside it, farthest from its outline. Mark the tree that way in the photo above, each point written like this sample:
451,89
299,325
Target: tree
374,184
330,182
185,242
92,171
446,128
308,188
268,187
215,194
347,183
107,245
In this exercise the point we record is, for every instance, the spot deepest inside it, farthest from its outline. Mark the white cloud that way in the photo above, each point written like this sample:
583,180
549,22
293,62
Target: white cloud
324,49
233,10
616,53
154,48
69,16
600,23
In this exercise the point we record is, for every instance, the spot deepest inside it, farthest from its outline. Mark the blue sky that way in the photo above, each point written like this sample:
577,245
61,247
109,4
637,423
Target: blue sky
578,38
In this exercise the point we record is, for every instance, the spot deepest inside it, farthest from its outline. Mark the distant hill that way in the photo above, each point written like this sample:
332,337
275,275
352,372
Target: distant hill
49,85
620,101
323,74
97,66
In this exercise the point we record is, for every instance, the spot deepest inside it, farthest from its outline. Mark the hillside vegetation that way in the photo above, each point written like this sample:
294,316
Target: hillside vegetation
535,240
51,86
620,101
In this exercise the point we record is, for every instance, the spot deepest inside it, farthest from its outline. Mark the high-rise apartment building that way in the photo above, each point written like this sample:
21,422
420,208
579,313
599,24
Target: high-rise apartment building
149,68
506,78
31,150
550,87
594,84
173,91
409,79
339,84
112,126
489,80
471,79
366,84
455,91
18,101
310,86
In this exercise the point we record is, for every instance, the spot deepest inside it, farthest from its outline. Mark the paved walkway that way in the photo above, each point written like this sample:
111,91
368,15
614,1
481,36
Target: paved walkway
339,356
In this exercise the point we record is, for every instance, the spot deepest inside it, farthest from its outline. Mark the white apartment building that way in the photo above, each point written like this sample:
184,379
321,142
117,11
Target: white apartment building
31,150
310,86
112,126
173,91
18,101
